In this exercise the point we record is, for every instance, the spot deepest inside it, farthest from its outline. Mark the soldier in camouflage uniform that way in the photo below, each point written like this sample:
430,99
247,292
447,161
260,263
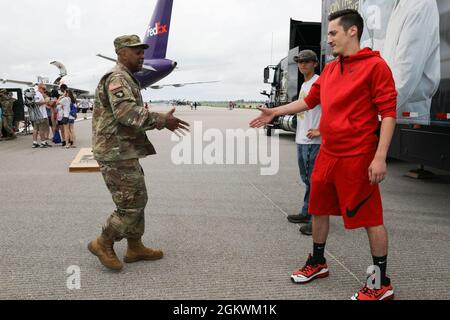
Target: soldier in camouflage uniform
119,123
7,103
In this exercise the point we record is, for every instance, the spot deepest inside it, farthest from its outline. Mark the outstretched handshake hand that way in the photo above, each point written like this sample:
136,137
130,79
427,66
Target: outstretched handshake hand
266,117
177,126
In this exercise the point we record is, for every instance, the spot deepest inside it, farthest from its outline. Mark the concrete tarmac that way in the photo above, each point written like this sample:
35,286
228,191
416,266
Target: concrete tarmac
222,228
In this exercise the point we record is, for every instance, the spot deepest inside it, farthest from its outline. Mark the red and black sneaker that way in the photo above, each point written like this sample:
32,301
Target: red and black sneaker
369,294
310,271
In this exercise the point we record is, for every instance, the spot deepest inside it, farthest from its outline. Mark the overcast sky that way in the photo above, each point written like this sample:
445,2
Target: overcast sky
227,40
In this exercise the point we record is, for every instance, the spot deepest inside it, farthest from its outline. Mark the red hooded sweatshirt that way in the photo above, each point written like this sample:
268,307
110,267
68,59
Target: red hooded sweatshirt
353,91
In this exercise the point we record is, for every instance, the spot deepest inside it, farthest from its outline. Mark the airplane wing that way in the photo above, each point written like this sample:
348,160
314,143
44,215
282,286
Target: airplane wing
81,93
27,83
49,86
106,58
178,85
115,60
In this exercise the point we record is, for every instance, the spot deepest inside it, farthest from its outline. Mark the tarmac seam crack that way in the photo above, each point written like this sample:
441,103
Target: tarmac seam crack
326,251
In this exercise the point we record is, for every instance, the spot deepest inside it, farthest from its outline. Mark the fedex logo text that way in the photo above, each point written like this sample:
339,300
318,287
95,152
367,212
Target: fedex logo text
158,29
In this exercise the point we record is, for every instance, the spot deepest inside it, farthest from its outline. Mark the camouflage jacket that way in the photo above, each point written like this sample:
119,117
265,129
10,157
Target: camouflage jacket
8,104
120,120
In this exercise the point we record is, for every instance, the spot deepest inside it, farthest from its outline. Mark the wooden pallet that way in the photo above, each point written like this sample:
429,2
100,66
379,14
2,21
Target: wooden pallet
84,162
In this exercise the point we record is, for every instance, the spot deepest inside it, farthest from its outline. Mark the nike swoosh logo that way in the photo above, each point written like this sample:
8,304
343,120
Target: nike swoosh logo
352,213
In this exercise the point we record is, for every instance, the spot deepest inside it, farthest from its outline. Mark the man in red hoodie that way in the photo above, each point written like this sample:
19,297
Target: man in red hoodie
353,91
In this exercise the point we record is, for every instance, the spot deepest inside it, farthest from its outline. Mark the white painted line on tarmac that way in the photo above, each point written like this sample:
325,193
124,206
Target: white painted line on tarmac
82,119
345,268
326,251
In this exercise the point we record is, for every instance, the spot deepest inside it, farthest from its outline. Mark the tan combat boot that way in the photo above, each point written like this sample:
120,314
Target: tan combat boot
136,251
103,248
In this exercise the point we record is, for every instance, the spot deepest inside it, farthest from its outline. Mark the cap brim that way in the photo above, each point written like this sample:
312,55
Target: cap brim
305,60
140,45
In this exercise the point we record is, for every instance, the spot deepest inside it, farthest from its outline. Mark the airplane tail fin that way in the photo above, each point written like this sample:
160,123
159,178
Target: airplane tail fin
157,34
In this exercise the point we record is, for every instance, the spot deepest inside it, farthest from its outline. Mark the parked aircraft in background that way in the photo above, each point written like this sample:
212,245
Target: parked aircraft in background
156,65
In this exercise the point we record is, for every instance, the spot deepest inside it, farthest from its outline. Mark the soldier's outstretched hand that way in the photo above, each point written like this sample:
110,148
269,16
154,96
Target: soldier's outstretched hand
176,125
266,117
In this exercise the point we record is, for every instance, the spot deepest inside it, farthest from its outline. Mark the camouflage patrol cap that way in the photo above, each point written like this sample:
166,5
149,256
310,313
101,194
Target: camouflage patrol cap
306,56
128,41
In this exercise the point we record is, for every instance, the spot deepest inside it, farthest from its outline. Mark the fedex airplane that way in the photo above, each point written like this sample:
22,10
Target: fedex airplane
156,65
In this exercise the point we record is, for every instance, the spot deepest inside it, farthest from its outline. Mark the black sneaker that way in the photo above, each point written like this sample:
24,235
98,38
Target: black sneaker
42,145
47,144
63,144
35,145
297,218
306,229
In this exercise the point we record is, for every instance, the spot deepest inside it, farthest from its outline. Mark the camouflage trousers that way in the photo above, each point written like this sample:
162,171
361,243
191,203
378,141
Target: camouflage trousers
125,181
8,126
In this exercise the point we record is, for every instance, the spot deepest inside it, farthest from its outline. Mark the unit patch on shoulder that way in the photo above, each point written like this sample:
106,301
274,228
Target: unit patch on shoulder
116,88
119,94
115,85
